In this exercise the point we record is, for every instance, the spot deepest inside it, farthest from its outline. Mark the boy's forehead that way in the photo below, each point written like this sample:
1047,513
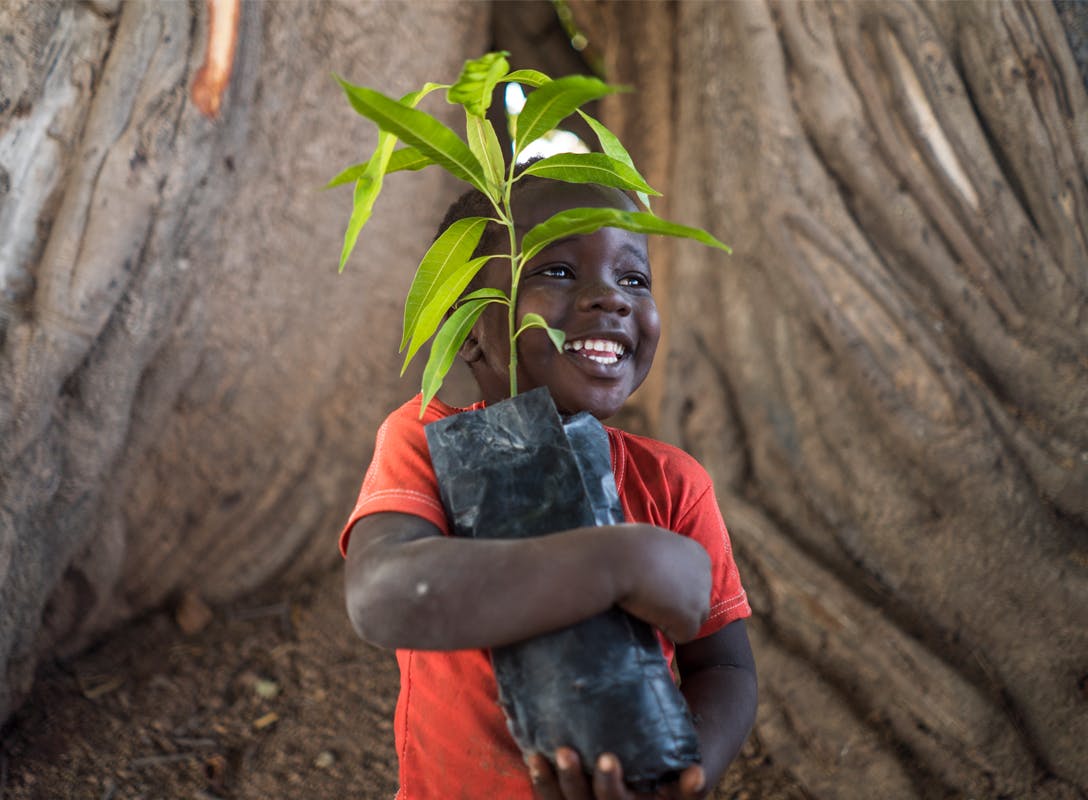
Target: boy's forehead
540,200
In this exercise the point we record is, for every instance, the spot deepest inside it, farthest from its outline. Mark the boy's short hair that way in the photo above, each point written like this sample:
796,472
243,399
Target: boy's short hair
474,203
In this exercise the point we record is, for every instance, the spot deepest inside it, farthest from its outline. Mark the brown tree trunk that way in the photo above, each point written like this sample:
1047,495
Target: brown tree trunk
888,377
187,387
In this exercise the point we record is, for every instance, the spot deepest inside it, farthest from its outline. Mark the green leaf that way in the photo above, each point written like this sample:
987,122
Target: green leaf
532,320
439,302
412,98
575,221
420,130
475,87
367,189
449,251
349,175
612,146
363,202
589,168
527,77
487,291
484,144
407,158
553,102
446,344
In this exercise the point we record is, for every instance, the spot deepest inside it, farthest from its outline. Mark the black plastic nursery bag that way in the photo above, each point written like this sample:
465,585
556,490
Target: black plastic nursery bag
513,470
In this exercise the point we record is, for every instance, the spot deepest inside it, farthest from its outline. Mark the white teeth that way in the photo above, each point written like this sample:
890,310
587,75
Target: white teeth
597,346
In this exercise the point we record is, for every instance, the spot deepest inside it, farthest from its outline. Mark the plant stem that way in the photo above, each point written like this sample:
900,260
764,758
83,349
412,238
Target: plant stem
515,275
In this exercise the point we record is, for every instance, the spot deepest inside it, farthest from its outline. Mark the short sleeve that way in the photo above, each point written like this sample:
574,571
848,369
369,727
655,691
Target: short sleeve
703,522
664,486
400,476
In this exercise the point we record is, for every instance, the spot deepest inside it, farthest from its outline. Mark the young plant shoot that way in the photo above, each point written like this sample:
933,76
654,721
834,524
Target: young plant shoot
436,305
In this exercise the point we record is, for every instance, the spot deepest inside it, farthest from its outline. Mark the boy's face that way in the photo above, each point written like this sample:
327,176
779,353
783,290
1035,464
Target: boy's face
595,288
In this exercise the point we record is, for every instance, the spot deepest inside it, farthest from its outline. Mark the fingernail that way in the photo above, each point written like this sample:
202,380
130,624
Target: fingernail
606,763
564,759
700,782
534,768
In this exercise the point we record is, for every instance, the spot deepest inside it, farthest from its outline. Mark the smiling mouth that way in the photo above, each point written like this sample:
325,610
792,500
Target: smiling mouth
603,351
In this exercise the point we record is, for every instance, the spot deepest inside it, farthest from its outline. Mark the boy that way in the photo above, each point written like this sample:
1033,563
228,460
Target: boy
442,601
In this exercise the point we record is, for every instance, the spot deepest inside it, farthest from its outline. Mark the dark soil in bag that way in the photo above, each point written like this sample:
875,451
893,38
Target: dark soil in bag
515,470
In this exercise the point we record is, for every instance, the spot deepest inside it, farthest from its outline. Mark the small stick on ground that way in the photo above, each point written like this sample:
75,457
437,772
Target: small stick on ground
166,758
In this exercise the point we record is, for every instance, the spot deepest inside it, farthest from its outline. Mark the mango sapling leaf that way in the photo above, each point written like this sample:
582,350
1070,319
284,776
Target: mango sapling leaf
577,221
612,146
420,130
484,144
449,251
448,341
476,85
441,300
412,98
367,189
554,102
527,77
406,158
533,320
590,168
360,212
349,175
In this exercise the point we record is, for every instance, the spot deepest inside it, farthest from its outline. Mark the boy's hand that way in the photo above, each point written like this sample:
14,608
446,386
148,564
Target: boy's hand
666,582
568,782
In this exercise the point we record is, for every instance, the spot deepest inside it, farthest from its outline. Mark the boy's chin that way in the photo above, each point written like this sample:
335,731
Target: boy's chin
600,407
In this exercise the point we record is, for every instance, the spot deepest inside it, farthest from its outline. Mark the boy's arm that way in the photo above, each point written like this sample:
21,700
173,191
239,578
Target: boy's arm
408,586
718,680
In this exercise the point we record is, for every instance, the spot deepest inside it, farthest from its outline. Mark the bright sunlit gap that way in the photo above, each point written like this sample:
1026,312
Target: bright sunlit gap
554,141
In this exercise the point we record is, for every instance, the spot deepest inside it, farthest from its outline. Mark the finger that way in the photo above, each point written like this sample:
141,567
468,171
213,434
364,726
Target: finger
692,782
608,779
545,785
572,781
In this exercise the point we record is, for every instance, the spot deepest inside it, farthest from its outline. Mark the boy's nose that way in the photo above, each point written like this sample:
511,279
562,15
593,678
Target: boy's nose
601,296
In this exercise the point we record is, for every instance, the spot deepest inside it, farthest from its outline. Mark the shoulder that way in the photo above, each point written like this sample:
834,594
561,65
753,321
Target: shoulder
401,435
642,453
658,482
406,420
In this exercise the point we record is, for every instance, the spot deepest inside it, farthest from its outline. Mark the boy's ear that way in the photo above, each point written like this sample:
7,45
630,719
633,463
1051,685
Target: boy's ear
470,351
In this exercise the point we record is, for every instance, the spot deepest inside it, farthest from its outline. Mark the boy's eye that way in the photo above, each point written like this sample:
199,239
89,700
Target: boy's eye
635,280
556,271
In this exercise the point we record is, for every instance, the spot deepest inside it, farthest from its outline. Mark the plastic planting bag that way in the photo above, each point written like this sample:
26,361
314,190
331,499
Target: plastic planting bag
515,470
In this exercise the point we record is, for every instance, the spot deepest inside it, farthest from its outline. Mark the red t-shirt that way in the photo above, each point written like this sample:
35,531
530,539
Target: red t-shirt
451,734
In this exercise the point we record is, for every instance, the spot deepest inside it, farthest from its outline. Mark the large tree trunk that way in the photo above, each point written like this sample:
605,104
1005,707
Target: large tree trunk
187,388
888,377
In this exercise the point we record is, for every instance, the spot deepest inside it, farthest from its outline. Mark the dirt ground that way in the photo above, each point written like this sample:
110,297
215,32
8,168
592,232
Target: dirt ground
274,697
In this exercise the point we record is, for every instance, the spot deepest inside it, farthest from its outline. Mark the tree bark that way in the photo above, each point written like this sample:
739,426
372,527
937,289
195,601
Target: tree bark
187,388
887,378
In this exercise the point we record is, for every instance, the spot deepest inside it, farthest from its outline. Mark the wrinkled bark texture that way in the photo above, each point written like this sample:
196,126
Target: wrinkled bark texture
187,388
887,378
